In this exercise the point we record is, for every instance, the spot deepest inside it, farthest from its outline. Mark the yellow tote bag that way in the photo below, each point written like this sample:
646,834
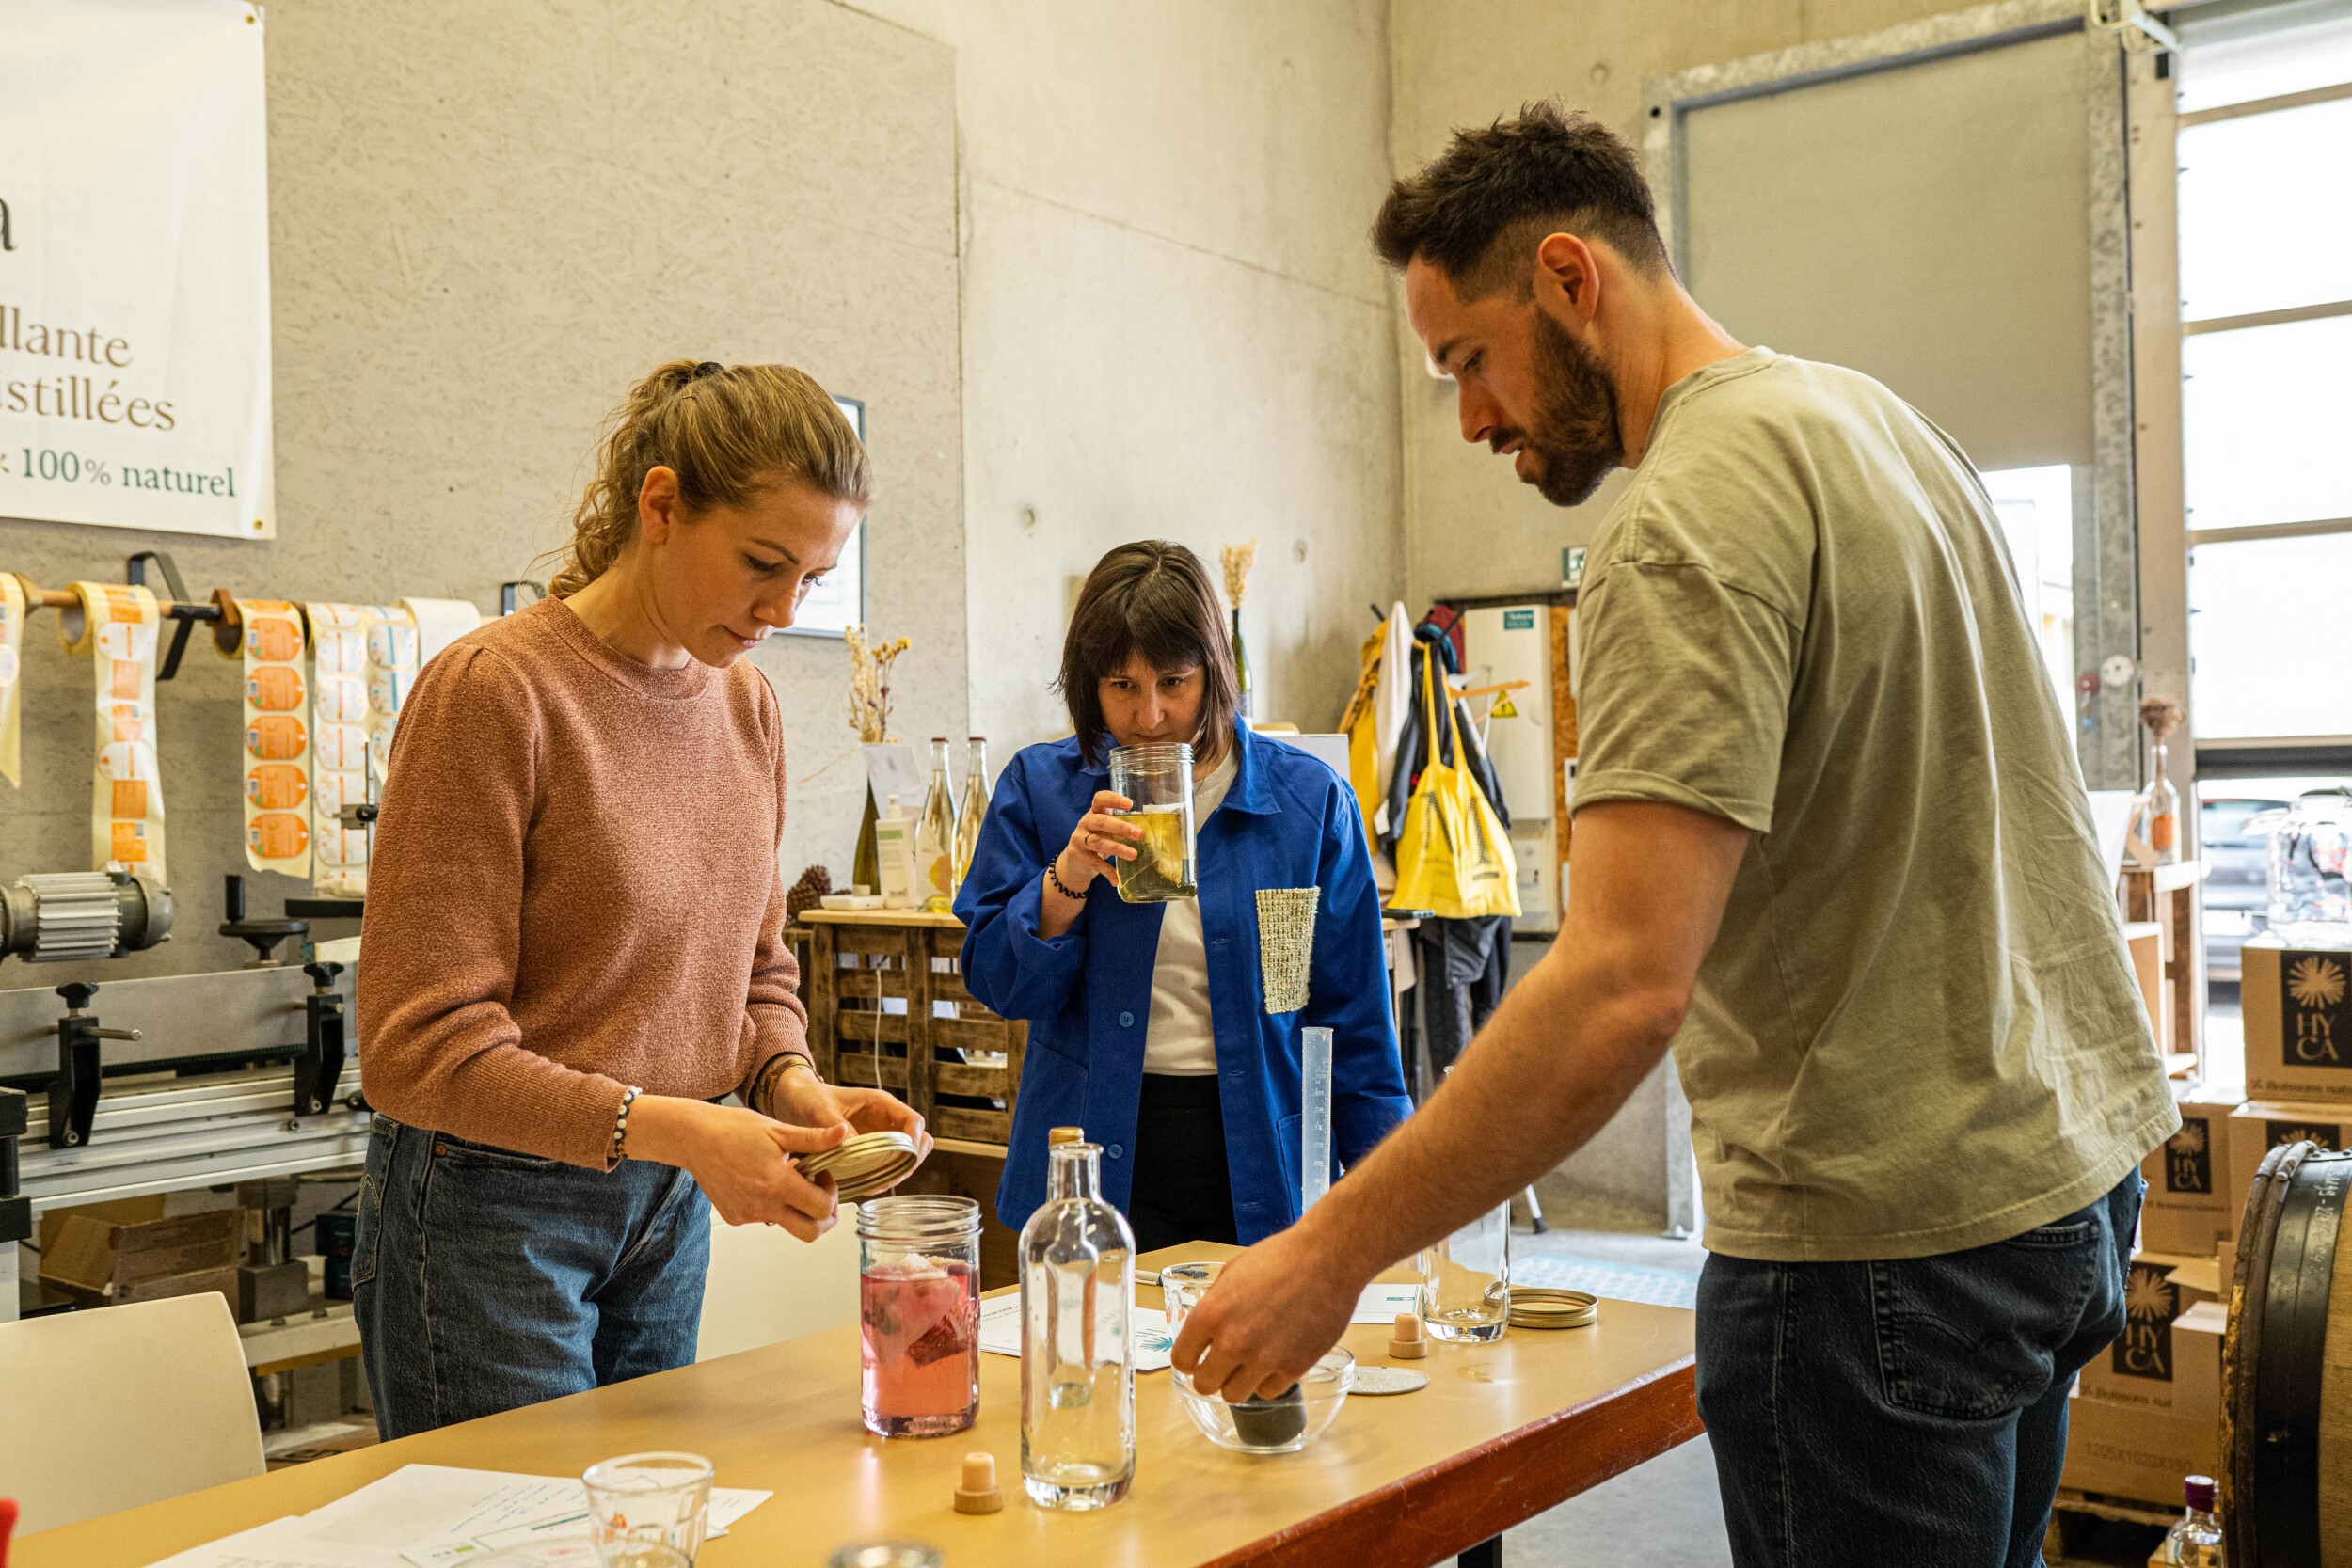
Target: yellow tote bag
1453,856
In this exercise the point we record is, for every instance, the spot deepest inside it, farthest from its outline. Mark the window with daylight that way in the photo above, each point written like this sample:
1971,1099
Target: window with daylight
2266,132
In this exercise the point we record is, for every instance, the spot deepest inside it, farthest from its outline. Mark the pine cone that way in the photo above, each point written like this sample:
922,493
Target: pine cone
814,884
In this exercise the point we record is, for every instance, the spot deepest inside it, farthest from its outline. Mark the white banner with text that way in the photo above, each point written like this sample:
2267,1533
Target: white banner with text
135,375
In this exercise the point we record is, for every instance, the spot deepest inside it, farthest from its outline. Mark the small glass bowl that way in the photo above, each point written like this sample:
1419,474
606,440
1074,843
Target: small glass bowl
1283,1425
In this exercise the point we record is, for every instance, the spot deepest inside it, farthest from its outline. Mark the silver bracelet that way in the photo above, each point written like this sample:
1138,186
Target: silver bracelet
620,1126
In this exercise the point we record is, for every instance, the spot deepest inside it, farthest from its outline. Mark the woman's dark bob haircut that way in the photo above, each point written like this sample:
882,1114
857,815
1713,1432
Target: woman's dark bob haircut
1152,598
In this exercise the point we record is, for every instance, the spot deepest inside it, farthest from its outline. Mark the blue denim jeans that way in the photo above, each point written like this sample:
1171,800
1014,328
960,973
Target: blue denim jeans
485,1279
1912,1411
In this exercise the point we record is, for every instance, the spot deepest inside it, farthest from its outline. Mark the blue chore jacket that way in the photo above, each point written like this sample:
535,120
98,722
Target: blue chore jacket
1287,822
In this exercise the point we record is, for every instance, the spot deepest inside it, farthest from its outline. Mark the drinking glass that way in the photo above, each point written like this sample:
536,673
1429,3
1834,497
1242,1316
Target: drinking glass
1158,781
1466,1280
919,1315
648,1510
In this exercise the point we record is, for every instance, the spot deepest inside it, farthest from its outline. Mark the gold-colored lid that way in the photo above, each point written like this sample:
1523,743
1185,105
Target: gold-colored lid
1065,1135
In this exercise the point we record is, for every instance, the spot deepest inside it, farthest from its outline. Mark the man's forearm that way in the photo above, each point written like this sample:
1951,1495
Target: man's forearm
1561,1054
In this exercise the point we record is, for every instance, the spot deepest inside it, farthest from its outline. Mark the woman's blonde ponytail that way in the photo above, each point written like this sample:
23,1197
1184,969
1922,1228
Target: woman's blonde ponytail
728,432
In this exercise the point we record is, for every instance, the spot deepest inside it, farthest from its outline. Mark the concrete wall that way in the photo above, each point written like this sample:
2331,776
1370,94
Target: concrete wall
1470,527
1173,323
486,221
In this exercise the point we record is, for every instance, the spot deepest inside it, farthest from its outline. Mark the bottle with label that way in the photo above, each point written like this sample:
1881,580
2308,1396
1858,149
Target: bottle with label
2164,811
2196,1539
1077,1357
975,808
894,855
935,838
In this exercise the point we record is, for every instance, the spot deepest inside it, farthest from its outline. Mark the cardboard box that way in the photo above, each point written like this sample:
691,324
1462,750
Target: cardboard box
2193,1196
98,1262
2297,1005
2121,1452
2169,1359
2260,1126
2145,940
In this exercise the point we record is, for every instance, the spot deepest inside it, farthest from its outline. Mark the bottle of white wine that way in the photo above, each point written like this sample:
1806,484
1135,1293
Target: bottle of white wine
975,808
935,838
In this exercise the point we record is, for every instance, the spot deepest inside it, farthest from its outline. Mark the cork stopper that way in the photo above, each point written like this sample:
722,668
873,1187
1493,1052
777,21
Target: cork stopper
1408,1343
1065,1135
979,1493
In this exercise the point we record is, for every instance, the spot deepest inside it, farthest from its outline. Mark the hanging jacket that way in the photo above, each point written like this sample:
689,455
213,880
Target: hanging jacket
1287,822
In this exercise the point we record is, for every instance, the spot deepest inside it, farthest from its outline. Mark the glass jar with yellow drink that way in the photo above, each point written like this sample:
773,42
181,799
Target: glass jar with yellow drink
1157,779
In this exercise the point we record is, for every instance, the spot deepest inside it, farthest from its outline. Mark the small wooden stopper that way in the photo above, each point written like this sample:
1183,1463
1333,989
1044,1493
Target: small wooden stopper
979,1493
1408,1343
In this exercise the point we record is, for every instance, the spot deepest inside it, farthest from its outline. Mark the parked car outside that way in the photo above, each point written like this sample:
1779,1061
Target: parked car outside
2238,879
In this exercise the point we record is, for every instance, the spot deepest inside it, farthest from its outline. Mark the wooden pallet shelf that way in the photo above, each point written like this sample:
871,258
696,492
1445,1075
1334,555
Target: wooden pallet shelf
852,962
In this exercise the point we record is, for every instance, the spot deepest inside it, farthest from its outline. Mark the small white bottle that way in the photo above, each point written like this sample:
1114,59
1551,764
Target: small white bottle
1077,1357
894,853
2196,1539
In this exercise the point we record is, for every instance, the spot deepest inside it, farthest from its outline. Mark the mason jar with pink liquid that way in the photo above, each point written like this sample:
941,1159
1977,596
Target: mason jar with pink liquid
919,1315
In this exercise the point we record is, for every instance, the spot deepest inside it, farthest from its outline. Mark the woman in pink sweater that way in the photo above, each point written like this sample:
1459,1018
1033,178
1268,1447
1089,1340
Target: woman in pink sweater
574,936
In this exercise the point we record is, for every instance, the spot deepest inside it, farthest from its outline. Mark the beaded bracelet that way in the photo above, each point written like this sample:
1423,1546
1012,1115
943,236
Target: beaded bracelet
620,1126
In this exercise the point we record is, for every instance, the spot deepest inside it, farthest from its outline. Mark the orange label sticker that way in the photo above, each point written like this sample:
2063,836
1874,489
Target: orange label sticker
274,688
130,800
278,835
276,737
276,786
270,638
127,679
130,842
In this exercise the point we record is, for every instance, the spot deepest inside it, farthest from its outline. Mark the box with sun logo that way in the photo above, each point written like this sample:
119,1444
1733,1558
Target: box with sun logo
2260,1126
2169,1359
2193,1193
2299,1021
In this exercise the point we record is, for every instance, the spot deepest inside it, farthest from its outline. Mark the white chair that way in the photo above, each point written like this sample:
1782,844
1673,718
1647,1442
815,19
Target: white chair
766,1284
124,1405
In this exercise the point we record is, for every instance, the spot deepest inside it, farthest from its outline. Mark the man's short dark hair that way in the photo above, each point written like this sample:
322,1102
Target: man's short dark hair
1553,171
1153,598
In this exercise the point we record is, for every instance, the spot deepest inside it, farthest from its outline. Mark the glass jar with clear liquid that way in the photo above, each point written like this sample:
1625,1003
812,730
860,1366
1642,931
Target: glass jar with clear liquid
1077,1356
1466,1278
1158,781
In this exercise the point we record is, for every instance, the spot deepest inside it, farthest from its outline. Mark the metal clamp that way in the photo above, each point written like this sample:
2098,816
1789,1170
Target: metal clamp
181,610
16,1209
322,1062
73,1092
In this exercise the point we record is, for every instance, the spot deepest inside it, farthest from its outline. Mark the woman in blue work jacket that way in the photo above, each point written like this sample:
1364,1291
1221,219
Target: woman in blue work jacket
1171,1032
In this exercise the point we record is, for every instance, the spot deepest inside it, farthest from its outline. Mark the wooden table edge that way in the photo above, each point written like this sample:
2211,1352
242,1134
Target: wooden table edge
1439,1512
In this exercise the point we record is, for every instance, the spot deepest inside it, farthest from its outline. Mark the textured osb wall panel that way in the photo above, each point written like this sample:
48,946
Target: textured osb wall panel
486,221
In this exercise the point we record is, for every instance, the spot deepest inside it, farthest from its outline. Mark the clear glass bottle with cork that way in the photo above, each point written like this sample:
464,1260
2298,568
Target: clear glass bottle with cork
975,808
935,838
1077,1355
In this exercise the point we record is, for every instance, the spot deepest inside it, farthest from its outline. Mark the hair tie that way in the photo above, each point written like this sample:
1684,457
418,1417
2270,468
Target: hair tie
709,367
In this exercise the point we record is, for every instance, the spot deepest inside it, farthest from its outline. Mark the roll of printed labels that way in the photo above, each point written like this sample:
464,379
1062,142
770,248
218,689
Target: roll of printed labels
338,772
276,738
11,676
116,627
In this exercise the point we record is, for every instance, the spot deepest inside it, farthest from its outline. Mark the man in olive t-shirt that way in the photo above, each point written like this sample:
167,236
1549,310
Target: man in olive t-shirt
1831,845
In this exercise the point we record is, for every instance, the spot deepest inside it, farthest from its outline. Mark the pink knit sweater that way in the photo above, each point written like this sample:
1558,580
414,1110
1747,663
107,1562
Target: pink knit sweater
574,888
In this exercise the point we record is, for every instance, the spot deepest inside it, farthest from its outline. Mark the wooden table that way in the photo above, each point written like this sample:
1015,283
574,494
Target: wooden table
1502,1432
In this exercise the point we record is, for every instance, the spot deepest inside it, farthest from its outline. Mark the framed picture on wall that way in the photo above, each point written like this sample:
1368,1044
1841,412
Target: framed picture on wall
838,603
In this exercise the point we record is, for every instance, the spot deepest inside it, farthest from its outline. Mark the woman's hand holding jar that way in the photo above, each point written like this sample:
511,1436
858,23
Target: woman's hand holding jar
1096,844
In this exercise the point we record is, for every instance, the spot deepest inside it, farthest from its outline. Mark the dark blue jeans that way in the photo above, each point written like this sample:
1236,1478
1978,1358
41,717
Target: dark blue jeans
1910,1411
484,1279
